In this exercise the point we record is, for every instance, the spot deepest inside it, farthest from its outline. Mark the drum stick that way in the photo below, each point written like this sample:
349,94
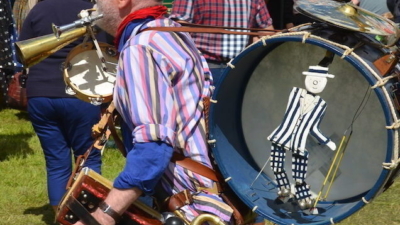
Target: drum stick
338,165
258,175
98,51
330,170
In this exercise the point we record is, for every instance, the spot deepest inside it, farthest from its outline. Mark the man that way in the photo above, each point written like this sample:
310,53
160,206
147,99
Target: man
160,85
219,49
281,13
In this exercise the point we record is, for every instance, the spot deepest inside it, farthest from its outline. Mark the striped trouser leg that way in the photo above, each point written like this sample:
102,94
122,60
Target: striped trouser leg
299,165
278,155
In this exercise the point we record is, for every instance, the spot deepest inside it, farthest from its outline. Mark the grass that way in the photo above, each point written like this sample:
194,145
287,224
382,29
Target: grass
23,198
23,195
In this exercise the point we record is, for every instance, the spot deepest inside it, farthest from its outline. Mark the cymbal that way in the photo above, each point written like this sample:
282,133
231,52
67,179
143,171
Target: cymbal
348,16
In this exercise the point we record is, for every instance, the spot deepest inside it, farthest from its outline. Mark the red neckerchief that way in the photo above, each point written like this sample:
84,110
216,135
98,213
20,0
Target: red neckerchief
154,11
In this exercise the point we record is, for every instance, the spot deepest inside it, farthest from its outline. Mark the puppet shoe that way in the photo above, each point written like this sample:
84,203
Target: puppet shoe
311,211
307,206
284,195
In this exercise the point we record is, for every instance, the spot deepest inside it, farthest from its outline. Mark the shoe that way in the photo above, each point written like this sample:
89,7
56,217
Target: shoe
284,192
284,195
307,206
311,211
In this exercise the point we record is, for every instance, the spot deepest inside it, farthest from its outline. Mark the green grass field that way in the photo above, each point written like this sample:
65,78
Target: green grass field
23,198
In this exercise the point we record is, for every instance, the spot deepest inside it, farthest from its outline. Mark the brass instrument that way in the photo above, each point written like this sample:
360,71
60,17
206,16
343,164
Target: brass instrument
200,219
89,188
32,51
207,218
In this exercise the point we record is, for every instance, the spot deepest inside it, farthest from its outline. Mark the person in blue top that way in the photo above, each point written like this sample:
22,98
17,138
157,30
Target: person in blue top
62,122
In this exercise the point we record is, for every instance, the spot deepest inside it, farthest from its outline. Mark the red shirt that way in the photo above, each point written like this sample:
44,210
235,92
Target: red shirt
228,13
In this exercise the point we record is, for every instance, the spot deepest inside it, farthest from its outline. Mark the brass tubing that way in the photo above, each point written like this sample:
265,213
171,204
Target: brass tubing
207,218
34,50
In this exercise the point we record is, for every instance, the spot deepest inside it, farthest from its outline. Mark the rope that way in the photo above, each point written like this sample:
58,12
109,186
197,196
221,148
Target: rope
254,208
347,52
230,65
263,41
332,222
299,26
212,141
365,200
305,37
228,179
383,81
395,125
391,165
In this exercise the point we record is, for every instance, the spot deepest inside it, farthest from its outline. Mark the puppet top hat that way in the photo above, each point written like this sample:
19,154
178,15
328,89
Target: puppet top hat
318,71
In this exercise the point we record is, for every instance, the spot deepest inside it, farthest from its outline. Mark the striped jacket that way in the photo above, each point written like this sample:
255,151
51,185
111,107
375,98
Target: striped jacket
299,121
161,82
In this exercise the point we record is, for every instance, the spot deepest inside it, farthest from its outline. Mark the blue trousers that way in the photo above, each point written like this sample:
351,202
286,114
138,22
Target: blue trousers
63,126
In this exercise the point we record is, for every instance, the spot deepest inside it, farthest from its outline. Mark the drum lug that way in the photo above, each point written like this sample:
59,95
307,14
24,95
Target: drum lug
111,52
96,101
69,91
63,66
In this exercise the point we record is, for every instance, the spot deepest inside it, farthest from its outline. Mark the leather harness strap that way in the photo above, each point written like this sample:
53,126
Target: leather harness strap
194,166
101,132
81,212
99,128
117,139
109,211
186,24
214,30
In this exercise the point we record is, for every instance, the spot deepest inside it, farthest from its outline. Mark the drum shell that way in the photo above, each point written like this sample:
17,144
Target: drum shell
251,100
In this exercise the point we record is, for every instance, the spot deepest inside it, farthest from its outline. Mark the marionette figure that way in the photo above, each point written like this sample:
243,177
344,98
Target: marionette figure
304,113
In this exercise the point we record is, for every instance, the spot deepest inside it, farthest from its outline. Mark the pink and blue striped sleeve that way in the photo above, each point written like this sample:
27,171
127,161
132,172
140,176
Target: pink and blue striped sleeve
144,92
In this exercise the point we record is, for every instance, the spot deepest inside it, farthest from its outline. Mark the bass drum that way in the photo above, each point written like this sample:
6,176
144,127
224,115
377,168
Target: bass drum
251,101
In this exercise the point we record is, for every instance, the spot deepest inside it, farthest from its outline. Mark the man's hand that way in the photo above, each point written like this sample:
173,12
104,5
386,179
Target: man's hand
119,200
331,145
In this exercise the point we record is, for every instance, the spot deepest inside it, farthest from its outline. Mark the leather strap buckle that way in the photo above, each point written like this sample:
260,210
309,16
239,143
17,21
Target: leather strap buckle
178,200
109,211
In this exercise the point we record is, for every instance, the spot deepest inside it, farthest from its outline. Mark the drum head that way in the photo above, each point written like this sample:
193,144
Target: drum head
252,98
85,75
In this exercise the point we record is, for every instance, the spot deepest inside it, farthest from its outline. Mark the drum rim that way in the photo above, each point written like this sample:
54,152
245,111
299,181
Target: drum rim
384,175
